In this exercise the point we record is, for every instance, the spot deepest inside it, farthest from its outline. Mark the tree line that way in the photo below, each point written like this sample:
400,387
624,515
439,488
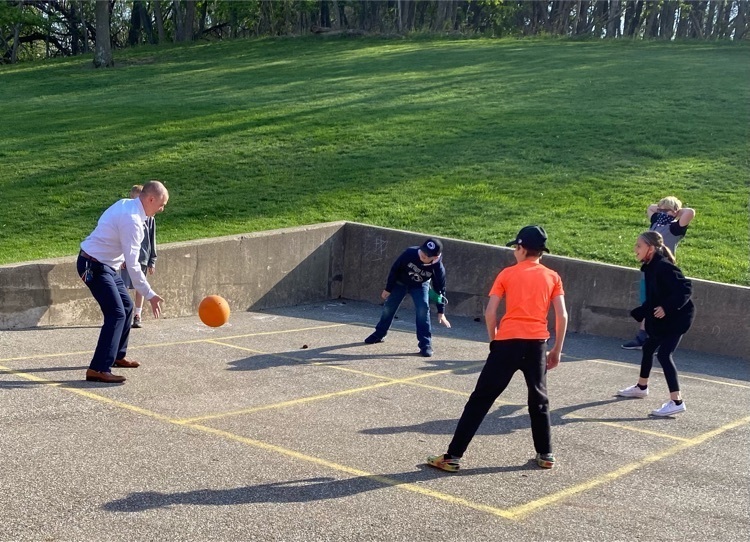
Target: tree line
31,29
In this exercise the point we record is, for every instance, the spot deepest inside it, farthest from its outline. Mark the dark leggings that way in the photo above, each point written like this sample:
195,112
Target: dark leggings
666,345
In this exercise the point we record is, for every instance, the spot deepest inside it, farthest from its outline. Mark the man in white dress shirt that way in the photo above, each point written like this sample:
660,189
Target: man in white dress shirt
116,239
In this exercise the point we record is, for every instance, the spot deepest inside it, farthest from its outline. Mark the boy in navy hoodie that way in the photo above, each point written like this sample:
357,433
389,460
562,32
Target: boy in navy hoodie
414,272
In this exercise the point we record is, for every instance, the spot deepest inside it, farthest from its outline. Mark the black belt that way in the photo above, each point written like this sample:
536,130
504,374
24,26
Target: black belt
86,256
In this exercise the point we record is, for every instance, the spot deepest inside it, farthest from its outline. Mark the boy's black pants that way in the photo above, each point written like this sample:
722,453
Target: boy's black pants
506,357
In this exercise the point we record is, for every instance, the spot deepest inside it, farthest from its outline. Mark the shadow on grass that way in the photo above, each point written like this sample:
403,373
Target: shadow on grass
241,123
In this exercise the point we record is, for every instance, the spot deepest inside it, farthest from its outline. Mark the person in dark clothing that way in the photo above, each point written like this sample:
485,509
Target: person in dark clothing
668,312
147,258
414,272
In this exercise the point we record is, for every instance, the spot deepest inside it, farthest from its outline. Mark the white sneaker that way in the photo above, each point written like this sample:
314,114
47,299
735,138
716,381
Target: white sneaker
633,391
669,408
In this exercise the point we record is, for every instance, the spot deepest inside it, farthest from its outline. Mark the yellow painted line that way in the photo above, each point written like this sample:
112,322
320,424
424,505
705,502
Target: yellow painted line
302,400
524,509
89,394
655,370
414,488
291,402
513,513
302,360
28,376
628,427
42,356
329,365
175,343
462,393
244,336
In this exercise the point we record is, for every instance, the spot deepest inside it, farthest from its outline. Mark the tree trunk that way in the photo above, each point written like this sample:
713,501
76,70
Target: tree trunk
179,27
582,17
74,29
202,20
16,38
189,24
709,26
419,20
599,18
667,18
325,14
103,47
146,22
635,20
374,16
233,22
334,10
652,28
343,21
265,22
134,34
438,22
84,32
159,17
683,23
562,25
613,24
722,20
697,16
739,25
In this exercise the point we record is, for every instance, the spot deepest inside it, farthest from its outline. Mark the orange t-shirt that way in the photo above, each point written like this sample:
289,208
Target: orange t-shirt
529,288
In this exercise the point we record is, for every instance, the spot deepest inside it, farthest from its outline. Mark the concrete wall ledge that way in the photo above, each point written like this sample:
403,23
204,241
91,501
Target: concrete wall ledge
350,260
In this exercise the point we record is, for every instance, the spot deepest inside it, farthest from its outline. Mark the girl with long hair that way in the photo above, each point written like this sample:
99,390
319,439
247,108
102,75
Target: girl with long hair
668,312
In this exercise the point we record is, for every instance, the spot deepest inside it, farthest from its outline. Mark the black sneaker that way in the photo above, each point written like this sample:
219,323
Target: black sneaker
136,322
374,338
635,344
638,342
426,352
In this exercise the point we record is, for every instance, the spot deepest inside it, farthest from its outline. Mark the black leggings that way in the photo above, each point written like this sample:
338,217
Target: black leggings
666,345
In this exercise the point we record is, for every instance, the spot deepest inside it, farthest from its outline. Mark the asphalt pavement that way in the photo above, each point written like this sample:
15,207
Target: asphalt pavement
283,425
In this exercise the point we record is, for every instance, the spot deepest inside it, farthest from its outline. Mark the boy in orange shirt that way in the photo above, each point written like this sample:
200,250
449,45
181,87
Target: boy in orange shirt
517,344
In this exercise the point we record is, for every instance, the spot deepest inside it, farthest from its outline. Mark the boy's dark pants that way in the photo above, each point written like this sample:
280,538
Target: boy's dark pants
506,357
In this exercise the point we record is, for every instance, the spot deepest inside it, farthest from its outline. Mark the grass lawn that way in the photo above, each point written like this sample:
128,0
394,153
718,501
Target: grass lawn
464,138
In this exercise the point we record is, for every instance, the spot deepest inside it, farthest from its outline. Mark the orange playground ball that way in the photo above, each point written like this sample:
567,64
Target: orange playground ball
214,311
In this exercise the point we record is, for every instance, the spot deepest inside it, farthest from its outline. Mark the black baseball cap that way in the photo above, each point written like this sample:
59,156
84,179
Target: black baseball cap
531,237
432,247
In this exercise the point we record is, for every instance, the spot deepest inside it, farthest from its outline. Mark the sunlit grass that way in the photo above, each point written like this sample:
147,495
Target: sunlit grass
464,138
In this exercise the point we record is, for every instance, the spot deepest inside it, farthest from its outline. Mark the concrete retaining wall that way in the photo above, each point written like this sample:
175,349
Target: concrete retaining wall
349,260
251,271
598,296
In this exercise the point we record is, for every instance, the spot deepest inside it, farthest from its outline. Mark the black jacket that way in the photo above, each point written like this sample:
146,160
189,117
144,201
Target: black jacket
668,288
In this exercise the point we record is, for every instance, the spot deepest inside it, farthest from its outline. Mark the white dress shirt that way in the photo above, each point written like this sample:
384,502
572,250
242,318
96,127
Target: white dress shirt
117,238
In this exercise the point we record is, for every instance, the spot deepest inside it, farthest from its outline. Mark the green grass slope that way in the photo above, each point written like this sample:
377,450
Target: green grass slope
464,138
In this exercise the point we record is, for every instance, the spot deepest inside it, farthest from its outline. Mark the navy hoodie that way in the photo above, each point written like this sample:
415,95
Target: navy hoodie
409,270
